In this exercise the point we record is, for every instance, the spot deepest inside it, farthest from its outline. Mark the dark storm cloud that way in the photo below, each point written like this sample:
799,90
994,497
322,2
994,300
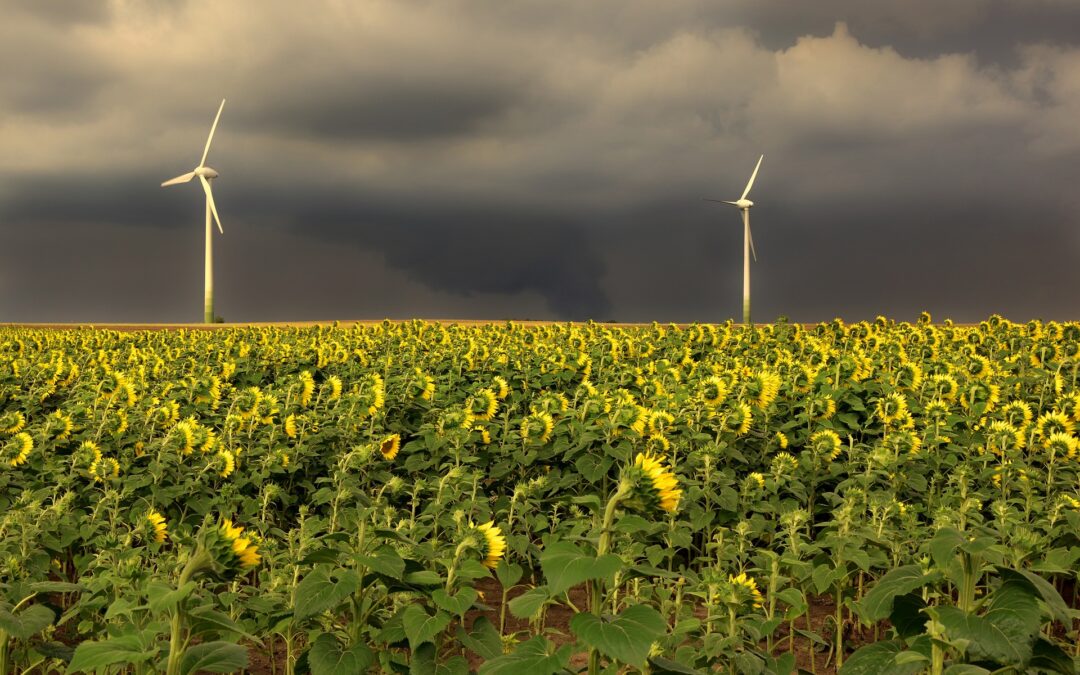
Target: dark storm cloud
459,158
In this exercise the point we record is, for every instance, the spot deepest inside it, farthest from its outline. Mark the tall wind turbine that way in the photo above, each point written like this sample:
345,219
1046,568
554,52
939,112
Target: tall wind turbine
206,174
744,205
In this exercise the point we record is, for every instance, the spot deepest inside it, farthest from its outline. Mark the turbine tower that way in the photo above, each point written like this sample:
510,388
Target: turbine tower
206,174
744,205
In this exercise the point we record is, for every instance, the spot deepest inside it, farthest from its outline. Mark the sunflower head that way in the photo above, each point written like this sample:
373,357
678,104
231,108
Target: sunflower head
234,550
491,543
743,590
653,484
158,527
390,446
825,443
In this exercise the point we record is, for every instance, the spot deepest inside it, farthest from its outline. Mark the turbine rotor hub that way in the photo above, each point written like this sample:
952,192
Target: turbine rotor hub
206,172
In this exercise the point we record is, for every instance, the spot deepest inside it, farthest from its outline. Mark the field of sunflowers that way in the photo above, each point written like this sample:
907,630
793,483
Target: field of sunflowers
427,498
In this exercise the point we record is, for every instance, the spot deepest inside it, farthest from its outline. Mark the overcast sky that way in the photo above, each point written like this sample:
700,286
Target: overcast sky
541,158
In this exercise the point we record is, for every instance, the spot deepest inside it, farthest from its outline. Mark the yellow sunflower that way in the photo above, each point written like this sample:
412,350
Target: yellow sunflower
390,446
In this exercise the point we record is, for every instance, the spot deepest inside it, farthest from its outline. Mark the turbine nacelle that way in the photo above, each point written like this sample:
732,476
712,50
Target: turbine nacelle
205,172
743,203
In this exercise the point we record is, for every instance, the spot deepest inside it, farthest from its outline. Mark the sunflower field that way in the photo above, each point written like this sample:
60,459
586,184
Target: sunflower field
538,499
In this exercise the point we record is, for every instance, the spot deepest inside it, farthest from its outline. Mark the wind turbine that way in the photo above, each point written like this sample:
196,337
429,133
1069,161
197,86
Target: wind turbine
206,174
744,205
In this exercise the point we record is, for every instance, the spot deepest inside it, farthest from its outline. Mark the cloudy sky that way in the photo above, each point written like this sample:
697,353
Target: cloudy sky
541,158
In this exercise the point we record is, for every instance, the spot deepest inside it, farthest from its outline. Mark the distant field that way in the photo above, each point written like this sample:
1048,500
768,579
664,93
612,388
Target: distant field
539,497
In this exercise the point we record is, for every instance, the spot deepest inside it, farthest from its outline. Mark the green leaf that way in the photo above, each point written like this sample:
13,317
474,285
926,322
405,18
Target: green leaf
208,620
627,637
483,640
1005,634
528,604
877,604
536,656
459,603
881,658
216,657
566,566
29,621
322,590
126,649
421,627
164,598
965,669
424,578
425,662
508,574
327,656
1045,590
907,615
1051,658
385,561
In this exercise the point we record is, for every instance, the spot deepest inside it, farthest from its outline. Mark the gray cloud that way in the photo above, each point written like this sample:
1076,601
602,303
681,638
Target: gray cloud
549,160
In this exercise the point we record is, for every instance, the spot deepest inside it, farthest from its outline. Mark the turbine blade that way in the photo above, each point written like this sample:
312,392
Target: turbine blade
210,201
179,179
202,162
752,177
720,201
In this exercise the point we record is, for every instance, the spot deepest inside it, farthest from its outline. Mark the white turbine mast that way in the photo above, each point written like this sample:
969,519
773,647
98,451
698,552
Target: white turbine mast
206,174
744,205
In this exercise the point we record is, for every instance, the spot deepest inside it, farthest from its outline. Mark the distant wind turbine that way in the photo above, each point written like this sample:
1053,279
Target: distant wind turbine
206,174
744,205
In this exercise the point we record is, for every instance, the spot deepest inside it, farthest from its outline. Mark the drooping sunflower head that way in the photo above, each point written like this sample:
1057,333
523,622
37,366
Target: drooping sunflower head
714,390
891,408
825,443
783,466
491,543
423,385
654,484
16,450
1061,445
537,425
743,590
158,527
12,423
502,388
483,405
307,388
1053,422
1002,437
944,386
763,388
290,426
239,552
1017,413
739,418
781,440
226,463
390,446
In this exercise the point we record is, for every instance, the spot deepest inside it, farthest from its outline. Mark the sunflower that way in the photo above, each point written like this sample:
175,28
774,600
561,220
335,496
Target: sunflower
103,468
228,463
891,408
739,418
1059,444
659,485
12,423
390,446
826,443
483,405
423,386
1002,436
714,390
1053,422
502,389
307,388
492,544
744,589
157,523
18,448
243,551
538,422
782,440
754,480
290,426
1018,414
334,383
783,465
764,387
